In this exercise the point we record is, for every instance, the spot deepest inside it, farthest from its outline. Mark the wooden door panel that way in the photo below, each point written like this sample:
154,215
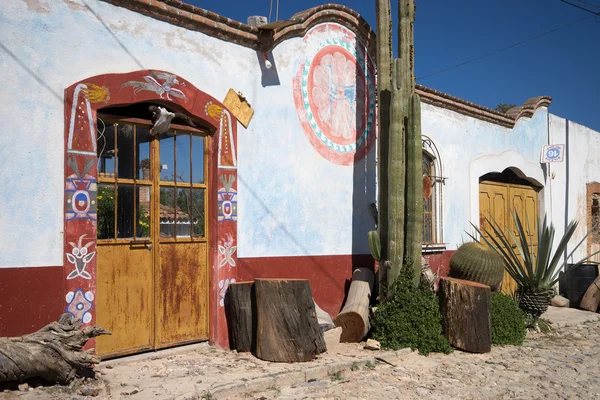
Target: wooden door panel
124,299
182,293
495,202
500,200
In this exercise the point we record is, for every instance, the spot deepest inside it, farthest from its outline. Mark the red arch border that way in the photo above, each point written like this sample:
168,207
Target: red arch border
82,100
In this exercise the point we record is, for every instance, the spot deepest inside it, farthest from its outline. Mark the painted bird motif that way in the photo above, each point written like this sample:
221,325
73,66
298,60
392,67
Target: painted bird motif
161,119
152,84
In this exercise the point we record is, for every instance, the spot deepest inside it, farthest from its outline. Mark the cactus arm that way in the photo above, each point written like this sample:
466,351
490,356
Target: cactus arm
396,183
374,245
414,189
384,93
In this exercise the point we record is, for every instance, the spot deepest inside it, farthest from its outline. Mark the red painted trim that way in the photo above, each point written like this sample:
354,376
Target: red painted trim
29,298
329,276
88,96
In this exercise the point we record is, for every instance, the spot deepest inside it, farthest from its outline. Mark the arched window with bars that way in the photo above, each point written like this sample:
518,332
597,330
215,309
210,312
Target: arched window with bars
433,182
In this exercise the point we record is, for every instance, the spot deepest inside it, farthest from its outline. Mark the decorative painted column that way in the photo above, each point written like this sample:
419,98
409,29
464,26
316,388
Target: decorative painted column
224,269
80,200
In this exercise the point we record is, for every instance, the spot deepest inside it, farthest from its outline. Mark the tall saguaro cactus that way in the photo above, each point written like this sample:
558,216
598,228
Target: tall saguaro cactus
400,158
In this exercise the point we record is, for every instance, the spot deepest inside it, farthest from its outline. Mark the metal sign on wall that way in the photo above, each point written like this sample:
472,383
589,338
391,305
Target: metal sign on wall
553,153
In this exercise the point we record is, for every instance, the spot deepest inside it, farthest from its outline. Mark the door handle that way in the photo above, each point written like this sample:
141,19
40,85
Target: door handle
146,243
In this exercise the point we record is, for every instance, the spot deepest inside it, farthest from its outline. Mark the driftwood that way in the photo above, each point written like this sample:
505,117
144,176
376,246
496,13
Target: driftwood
52,354
465,309
354,317
591,298
287,329
240,307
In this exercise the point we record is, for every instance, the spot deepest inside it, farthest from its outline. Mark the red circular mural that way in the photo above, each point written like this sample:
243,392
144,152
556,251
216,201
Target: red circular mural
334,92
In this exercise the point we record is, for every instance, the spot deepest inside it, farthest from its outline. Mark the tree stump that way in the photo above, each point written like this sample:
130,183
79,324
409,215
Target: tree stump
240,308
354,317
465,309
591,298
52,354
287,326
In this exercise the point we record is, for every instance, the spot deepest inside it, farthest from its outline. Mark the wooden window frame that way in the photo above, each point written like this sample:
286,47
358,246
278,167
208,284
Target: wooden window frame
155,183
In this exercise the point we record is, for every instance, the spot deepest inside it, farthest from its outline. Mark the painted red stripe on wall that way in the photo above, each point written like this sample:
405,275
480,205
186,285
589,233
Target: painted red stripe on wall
30,298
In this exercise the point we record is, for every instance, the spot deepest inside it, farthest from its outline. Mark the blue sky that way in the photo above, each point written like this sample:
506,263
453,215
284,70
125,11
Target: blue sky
564,64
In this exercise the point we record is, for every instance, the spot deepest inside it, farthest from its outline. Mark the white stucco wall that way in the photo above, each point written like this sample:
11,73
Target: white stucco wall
581,155
48,49
291,200
469,148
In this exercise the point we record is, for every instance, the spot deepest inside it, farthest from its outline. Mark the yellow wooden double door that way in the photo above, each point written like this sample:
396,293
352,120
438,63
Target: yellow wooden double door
152,266
498,201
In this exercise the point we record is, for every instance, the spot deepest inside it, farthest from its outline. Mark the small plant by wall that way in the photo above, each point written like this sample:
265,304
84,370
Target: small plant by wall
508,320
410,319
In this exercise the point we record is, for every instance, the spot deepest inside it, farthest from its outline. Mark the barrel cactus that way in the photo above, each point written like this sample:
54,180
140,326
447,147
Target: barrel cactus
477,262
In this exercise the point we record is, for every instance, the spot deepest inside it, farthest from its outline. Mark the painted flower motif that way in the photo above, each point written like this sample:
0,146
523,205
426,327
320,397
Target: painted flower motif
334,95
80,258
227,250
223,285
80,304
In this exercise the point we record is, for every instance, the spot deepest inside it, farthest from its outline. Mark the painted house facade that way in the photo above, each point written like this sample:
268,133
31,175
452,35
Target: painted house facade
142,234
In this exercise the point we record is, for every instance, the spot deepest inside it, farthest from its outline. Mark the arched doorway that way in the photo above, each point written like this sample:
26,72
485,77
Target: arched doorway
501,194
142,214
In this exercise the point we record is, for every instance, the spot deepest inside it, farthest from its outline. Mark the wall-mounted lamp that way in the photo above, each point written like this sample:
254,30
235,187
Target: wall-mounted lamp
268,64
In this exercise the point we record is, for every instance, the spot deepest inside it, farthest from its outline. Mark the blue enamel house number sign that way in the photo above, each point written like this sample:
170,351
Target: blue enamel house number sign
553,153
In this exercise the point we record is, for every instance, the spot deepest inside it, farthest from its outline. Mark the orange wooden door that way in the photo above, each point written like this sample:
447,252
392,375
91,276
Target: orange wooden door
152,275
498,201
125,265
182,279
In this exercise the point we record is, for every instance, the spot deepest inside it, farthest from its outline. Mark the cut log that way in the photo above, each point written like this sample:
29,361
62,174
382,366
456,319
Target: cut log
465,309
287,326
354,317
52,354
240,310
591,298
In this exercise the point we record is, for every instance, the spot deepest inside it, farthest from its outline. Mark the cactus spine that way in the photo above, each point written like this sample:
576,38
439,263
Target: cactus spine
402,168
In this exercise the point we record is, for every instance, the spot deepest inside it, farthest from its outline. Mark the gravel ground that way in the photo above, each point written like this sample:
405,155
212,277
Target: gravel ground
562,365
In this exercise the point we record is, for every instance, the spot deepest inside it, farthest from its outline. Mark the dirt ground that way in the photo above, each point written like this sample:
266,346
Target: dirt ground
562,365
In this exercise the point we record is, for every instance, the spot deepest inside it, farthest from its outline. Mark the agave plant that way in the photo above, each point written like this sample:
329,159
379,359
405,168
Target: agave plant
536,270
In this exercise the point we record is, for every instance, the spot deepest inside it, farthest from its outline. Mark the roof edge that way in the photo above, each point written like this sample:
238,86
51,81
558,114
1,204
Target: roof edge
181,14
508,119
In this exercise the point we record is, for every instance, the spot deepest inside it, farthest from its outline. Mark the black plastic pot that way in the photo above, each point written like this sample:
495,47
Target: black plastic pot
574,284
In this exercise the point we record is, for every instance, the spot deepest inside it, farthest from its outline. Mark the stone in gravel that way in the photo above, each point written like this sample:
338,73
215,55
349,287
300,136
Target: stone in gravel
89,391
372,345
559,301
23,387
332,338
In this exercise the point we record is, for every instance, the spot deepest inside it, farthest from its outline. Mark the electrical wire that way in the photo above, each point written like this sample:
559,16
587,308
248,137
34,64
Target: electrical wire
581,8
589,4
506,48
270,10
277,12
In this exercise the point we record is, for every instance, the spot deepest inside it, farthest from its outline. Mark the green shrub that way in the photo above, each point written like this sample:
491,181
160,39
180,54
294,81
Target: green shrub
508,320
411,319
